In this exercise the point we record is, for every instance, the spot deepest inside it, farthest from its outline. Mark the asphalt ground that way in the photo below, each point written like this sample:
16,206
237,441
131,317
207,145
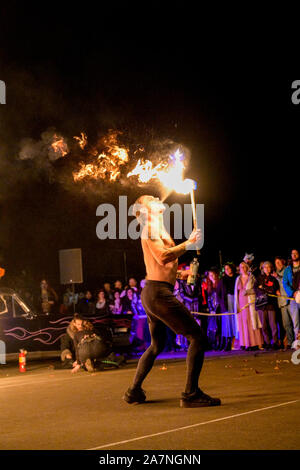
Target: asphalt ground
50,409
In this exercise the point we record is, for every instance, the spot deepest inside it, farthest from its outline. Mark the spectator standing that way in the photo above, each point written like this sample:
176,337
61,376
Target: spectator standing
86,305
267,284
204,291
213,323
129,302
109,294
101,307
139,304
49,297
283,302
133,284
249,325
190,295
118,286
291,284
180,340
225,293
249,260
116,307
70,299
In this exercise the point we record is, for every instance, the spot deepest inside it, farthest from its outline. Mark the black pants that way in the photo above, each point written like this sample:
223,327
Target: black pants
162,308
92,350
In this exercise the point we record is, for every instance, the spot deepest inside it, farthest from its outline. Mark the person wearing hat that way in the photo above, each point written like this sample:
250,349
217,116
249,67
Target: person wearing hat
249,260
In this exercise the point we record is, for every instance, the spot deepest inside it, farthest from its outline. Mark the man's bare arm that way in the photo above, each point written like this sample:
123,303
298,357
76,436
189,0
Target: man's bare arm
165,255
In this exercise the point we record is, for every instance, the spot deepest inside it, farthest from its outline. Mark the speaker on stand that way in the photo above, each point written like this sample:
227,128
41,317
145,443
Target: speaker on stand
70,267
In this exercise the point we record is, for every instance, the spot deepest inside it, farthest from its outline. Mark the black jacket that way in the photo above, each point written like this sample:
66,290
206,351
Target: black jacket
225,287
267,285
86,307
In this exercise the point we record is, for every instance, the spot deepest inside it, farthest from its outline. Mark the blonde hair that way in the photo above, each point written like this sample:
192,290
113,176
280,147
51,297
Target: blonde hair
245,265
87,325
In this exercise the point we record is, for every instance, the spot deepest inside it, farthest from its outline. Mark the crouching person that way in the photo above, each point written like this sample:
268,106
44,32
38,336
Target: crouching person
67,355
90,345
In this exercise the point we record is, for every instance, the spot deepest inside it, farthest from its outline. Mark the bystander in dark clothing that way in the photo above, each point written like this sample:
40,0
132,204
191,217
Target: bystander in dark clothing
86,305
267,285
291,284
127,302
102,307
225,295
109,293
213,322
89,344
67,350
286,324
48,298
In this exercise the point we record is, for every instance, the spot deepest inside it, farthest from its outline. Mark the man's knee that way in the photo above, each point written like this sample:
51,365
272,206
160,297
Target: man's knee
157,348
197,338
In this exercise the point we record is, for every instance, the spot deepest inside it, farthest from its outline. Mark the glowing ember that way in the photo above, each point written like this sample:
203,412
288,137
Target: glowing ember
169,174
82,141
59,146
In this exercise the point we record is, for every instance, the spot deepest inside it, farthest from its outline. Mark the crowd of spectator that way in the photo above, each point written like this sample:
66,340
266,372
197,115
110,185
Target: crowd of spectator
249,306
246,307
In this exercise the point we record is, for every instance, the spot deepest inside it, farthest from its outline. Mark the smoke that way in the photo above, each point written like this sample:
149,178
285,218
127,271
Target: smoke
51,147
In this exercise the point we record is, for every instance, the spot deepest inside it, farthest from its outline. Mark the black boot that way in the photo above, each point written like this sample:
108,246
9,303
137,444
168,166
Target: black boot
198,399
133,396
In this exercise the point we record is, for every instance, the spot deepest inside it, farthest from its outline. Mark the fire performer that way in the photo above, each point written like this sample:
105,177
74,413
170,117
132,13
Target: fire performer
162,308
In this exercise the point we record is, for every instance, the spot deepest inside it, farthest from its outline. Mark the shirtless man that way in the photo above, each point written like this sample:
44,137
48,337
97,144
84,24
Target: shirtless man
162,308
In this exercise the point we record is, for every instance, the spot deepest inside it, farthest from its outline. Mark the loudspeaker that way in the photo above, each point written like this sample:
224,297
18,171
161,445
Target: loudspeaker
70,266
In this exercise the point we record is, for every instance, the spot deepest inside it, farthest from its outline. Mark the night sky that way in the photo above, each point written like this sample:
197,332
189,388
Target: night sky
91,71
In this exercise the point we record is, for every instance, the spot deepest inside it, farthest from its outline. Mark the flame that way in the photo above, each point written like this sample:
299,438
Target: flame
107,166
59,146
82,141
108,163
169,174
145,171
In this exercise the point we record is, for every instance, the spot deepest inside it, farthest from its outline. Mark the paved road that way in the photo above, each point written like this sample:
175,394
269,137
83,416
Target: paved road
52,409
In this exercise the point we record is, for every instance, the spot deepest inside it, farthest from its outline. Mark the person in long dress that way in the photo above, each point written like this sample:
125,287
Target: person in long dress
248,322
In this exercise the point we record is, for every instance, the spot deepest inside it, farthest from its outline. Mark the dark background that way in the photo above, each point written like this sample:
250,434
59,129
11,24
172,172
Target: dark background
87,69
